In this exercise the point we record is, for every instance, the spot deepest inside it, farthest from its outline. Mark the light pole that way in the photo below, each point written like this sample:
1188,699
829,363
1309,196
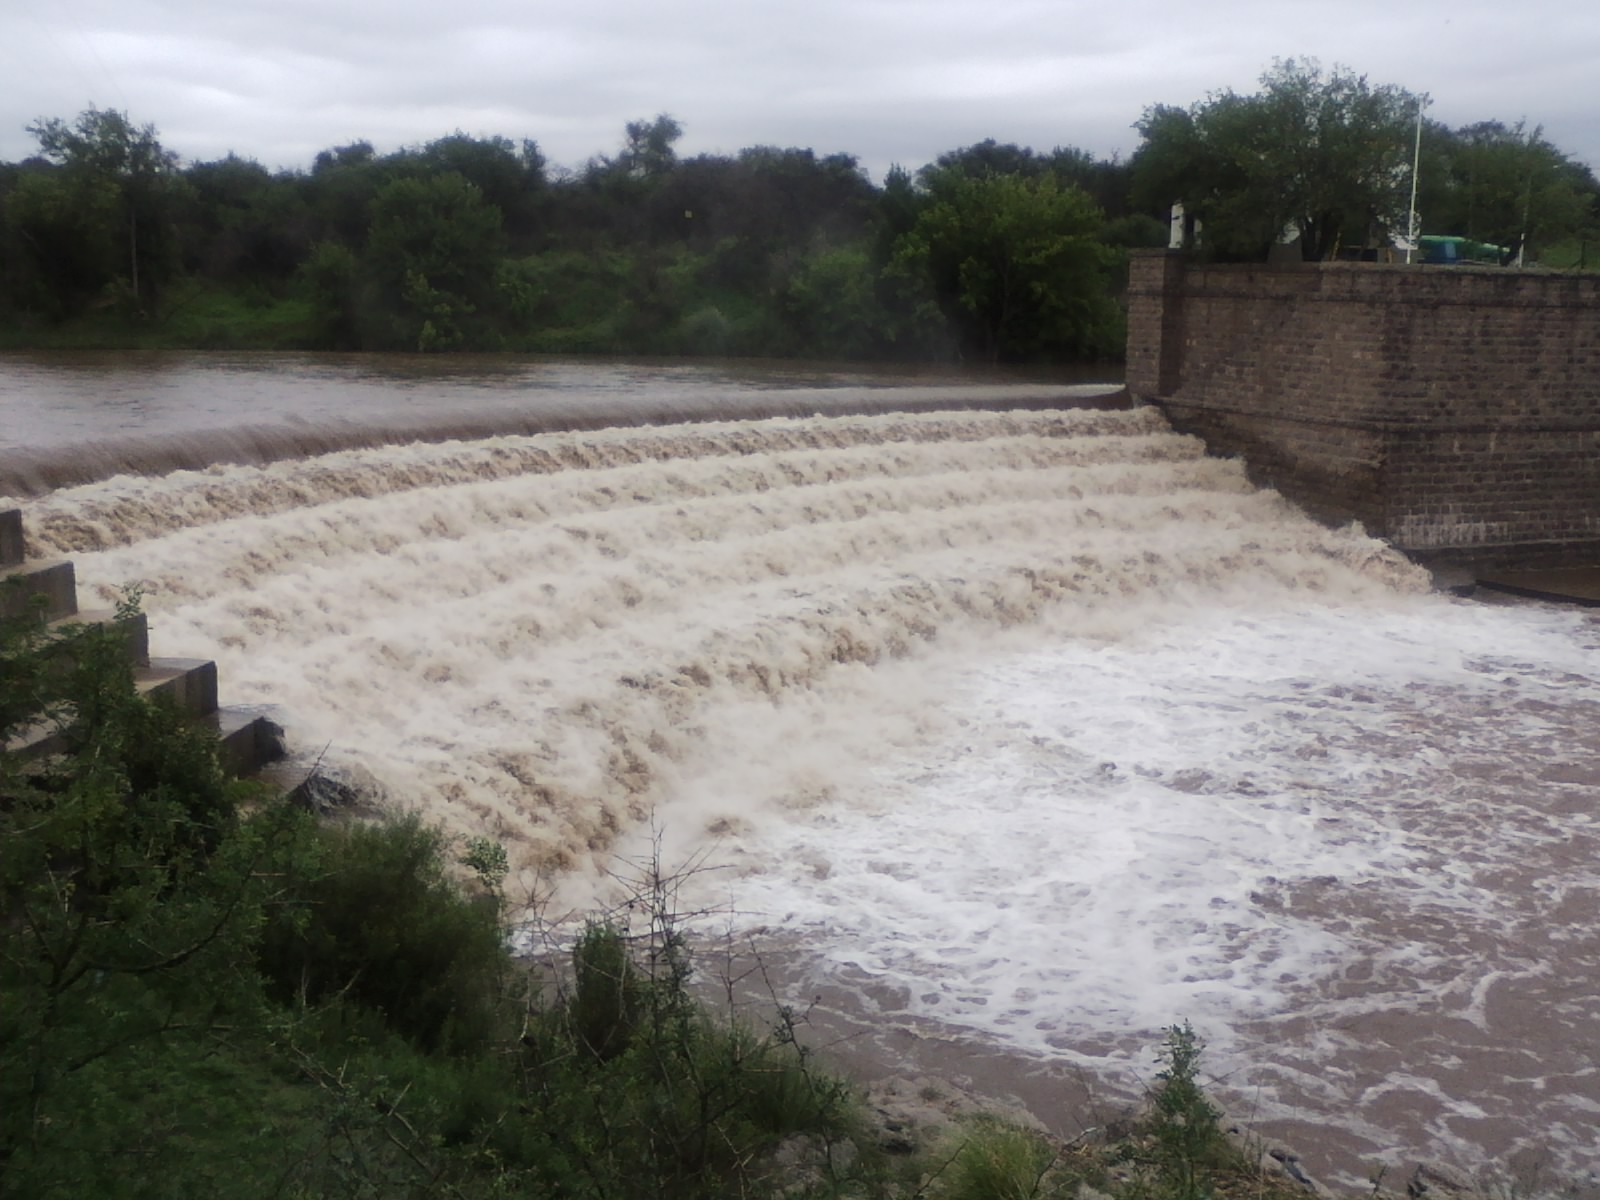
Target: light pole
1413,224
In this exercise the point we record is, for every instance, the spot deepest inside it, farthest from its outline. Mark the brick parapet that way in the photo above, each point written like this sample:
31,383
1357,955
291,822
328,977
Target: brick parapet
1452,410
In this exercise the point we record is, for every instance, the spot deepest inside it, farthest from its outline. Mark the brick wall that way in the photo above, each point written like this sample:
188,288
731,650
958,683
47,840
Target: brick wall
1454,411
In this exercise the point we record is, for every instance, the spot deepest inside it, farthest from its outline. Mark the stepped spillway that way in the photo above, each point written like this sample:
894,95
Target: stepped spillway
522,635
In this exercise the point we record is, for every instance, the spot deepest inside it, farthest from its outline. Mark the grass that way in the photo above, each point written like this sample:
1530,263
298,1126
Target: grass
190,316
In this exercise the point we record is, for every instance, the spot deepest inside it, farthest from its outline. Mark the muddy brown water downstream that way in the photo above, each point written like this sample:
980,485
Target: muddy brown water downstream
1016,735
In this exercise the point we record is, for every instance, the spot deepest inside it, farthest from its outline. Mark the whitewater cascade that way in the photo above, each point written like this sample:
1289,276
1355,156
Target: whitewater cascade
1040,725
522,636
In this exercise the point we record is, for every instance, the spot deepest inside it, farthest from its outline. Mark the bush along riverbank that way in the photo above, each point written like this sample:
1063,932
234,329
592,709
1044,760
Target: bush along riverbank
209,991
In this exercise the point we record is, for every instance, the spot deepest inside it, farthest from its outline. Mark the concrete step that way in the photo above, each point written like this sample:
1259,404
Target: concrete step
22,584
12,548
190,683
38,740
247,739
136,630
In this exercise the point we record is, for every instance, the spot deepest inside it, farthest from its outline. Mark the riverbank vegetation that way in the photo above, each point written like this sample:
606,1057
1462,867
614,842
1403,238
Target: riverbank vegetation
204,990
1326,156
993,252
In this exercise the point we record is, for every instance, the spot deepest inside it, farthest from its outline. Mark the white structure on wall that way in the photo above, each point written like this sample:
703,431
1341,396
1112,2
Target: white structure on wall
1184,229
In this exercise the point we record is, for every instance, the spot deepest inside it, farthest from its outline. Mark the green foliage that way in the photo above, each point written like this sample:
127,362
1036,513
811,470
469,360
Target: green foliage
1188,1145
607,999
464,244
64,233
432,248
996,1161
1508,186
706,331
659,1094
250,317
131,888
111,210
486,858
197,1001
831,305
993,252
1016,263
240,224
332,285
649,151
509,177
1326,156
378,922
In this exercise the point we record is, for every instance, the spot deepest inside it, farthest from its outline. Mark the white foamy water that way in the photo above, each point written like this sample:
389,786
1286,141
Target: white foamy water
1038,726
1355,845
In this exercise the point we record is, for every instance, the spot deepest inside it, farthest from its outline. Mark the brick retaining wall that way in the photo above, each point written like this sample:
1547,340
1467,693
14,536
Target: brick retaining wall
1454,411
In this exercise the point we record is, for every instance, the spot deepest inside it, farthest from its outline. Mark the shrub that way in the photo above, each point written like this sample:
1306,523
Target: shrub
604,1009
1188,1142
996,1161
376,919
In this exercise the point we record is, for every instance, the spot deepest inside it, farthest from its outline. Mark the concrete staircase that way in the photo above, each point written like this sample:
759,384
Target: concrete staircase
48,591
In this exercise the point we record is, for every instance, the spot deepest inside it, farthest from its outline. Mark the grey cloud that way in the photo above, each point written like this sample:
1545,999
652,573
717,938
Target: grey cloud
888,80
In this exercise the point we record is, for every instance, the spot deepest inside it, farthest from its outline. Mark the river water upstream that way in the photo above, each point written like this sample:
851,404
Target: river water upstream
1008,724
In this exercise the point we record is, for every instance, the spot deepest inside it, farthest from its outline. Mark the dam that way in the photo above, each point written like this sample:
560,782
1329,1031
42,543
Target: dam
1013,724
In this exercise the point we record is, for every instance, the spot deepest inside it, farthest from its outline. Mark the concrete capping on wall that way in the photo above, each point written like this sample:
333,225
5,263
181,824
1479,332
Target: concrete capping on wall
1453,410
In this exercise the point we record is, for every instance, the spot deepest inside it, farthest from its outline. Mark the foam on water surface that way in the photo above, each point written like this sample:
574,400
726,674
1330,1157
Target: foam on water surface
1039,726
1355,846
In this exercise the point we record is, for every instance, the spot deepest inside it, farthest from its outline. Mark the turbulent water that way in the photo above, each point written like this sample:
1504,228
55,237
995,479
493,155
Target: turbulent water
1038,726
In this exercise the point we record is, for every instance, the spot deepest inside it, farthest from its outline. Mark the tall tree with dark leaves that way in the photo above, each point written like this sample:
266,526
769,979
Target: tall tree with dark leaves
104,216
1321,157
1016,264
1505,185
432,251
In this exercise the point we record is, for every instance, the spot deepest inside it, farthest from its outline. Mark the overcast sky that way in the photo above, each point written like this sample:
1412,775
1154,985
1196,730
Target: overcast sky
886,80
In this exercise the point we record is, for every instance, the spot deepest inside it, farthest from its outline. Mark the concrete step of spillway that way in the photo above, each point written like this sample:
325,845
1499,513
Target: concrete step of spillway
47,592
135,630
189,684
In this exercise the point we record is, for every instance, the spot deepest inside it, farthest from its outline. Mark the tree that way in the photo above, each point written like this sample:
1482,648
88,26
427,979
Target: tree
1105,180
987,158
114,194
130,889
432,250
1015,263
831,306
340,190
510,177
1326,157
241,222
62,238
1505,185
649,151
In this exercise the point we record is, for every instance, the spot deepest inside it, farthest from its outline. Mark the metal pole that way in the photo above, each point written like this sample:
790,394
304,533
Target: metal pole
1413,226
